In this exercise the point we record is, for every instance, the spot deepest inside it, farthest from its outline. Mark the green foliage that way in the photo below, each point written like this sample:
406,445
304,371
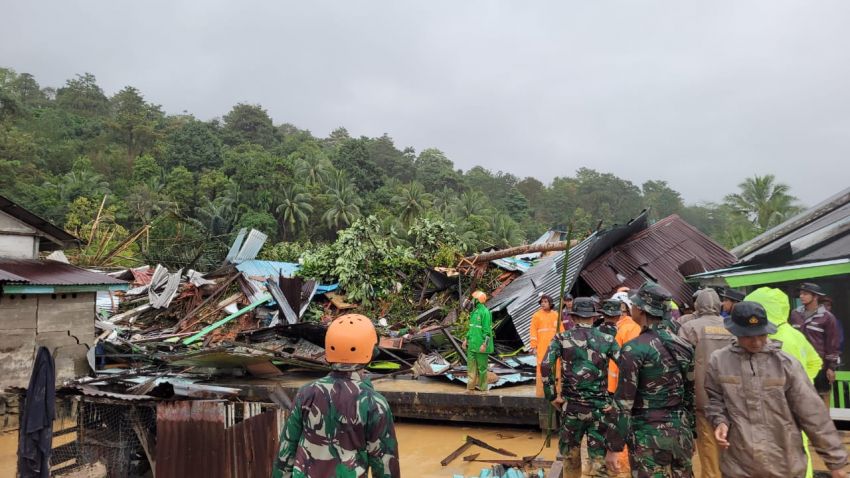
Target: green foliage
194,182
285,251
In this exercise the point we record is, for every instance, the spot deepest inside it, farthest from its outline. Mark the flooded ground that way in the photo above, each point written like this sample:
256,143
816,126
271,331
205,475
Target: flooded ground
8,454
422,445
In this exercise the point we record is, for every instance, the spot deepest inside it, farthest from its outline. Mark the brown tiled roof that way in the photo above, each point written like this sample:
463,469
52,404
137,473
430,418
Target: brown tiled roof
45,272
666,251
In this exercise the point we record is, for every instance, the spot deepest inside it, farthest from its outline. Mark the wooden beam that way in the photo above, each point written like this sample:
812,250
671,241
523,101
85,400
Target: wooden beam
515,251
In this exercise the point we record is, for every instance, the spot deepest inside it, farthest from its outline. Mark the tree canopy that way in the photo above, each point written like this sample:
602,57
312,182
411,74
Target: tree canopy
190,184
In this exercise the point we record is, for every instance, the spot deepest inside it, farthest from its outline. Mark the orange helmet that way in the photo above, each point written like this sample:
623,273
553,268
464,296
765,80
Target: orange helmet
351,338
479,296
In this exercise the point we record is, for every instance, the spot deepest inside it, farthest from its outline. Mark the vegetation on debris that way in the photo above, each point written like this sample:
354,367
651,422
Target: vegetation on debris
190,184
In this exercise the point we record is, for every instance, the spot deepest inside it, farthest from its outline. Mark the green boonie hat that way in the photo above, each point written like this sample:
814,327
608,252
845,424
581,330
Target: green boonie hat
652,299
583,307
611,308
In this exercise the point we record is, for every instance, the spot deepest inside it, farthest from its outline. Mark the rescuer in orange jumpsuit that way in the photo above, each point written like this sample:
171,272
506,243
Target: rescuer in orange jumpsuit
545,323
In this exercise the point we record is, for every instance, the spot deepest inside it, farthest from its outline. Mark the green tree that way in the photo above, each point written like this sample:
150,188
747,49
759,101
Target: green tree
412,201
259,220
249,124
661,198
193,145
353,158
83,96
134,122
180,187
763,201
294,208
344,206
435,171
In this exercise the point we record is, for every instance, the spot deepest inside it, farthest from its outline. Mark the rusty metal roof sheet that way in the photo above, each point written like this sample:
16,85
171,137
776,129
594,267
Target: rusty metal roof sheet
44,272
666,252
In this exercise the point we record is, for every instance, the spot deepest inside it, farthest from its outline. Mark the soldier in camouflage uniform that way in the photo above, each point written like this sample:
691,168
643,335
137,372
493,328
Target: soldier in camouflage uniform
610,315
584,353
655,394
340,426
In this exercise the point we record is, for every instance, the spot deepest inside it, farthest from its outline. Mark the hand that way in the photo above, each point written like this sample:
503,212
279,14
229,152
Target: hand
720,434
558,402
830,375
483,348
612,462
463,345
838,474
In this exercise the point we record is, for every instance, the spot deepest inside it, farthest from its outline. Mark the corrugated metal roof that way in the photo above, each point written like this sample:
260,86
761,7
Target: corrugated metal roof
42,272
665,252
520,296
251,247
258,268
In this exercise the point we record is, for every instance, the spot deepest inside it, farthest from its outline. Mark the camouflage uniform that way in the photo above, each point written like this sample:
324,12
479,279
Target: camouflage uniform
655,402
584,353
339,427
608,328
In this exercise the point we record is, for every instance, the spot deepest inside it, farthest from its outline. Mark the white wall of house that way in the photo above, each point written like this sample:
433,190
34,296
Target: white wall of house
18,240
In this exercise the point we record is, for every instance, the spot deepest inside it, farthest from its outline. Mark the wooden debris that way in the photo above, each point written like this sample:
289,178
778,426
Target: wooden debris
445,461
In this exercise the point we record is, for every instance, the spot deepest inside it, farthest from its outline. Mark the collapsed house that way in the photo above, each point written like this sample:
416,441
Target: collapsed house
628,255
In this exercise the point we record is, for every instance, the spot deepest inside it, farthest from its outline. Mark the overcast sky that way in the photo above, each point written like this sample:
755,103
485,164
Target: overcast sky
701,94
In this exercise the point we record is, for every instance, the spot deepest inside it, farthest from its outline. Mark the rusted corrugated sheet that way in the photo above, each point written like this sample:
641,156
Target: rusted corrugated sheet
256,446
667,251
39,272
192,440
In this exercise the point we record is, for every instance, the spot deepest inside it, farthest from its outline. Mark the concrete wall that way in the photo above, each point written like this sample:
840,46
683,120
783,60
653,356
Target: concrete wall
64,323
20,242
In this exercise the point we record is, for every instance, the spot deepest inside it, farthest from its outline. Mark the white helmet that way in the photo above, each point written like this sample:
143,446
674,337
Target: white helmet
622,297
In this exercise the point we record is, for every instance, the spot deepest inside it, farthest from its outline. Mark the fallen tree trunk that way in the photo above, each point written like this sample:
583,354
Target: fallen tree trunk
516,251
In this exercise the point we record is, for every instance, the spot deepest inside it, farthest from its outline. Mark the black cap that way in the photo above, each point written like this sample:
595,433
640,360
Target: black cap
813,288
611,308
732,294
583,307
568,296
748,319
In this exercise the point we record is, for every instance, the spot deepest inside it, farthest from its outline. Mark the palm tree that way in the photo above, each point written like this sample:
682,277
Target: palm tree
763,201
217,217
470,203
344,205
295,207
505,231
314,171
413,200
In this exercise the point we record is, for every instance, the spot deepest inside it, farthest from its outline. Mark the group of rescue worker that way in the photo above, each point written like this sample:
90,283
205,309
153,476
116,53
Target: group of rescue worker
736,380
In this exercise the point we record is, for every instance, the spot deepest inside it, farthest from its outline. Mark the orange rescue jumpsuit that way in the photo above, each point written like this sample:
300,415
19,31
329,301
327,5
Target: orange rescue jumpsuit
544,326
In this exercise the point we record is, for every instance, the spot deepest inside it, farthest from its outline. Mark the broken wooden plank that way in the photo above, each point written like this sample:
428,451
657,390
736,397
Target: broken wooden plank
456,453
240,312
487,446
471,457
206,301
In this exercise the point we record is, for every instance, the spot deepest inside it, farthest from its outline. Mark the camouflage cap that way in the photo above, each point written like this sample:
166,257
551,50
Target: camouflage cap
583,307
611,308
652,299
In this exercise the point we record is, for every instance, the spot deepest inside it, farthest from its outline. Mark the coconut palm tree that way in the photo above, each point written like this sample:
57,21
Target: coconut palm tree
295,207
314,170
412,201
470,203
763,201
344,206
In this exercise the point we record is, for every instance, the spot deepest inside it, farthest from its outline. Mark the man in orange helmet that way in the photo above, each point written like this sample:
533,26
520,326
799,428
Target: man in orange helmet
478,343
340,426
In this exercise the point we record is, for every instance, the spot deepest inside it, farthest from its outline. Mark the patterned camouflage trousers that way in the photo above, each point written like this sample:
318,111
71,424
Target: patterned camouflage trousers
578,421
661,446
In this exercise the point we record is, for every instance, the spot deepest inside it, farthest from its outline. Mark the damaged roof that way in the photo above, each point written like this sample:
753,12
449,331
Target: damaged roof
17,273
520,296
819,233
666,252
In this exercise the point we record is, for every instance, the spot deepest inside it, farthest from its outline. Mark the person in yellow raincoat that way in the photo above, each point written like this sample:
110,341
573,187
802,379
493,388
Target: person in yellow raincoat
778,308
545,324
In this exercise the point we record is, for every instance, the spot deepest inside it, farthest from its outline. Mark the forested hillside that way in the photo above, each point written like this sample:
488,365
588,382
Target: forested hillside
183,185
